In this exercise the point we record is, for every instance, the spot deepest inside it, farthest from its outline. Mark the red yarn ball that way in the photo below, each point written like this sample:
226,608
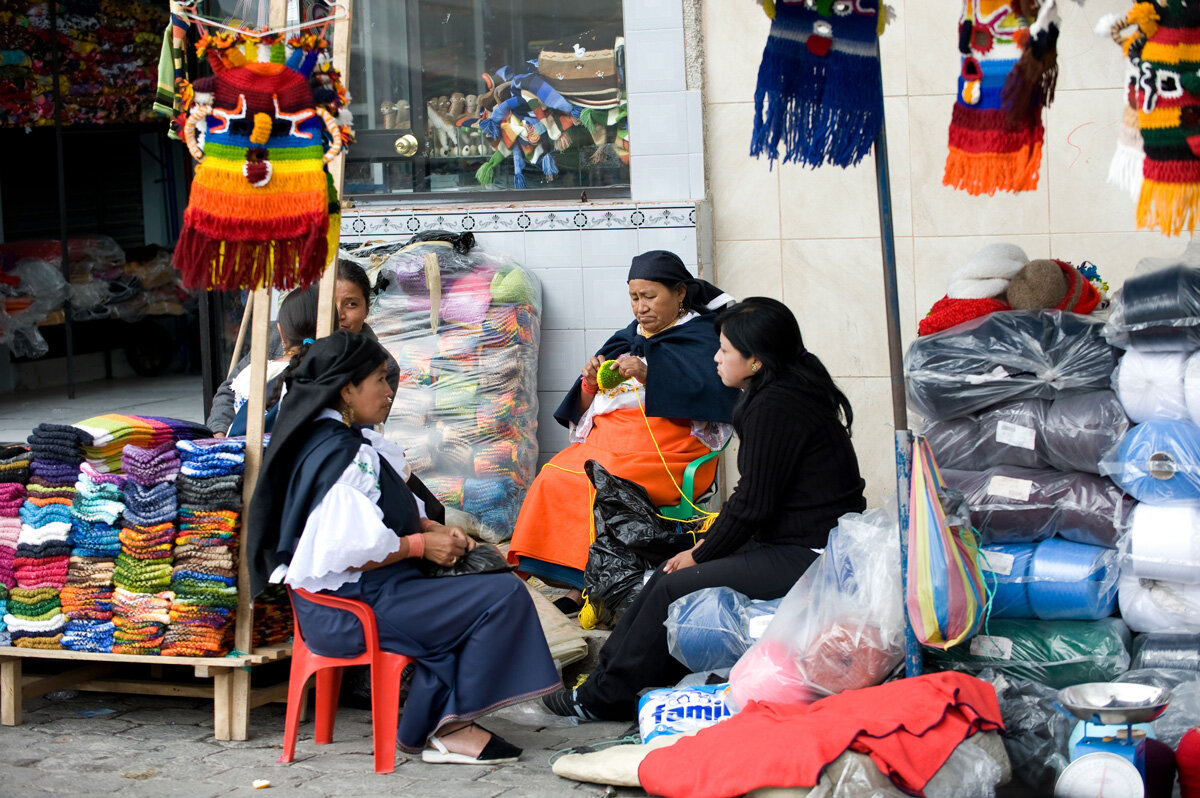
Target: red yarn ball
1187,760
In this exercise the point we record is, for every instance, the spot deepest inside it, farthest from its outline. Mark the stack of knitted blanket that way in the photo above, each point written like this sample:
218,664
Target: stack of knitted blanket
95,543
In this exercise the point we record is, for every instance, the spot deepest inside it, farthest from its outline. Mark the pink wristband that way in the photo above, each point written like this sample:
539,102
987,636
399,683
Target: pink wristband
416,545
589,388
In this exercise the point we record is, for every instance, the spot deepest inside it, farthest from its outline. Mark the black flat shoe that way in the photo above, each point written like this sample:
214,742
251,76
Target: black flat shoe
568,606
498,751
566,703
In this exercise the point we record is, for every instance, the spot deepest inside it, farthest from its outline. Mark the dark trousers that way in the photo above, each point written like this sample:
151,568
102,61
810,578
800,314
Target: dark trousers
636,657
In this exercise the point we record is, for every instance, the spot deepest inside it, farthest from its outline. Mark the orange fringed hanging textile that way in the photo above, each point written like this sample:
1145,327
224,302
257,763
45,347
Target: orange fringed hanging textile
260,205
1009,70
1162,42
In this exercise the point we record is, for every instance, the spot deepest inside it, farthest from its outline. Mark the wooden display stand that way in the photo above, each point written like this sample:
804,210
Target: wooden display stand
231,692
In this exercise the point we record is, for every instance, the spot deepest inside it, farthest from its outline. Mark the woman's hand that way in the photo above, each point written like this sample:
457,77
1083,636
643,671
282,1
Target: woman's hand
589,370
445,545
632,366
681,560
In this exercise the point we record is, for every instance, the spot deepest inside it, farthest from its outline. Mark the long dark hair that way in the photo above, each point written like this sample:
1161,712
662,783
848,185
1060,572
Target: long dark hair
351,272
297,319
765,328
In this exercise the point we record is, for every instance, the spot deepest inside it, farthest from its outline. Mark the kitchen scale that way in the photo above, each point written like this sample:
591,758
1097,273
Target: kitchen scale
1109,767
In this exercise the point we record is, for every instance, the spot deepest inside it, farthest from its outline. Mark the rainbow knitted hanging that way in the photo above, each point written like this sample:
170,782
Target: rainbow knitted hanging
1164,48
259,211
1009,68
819,89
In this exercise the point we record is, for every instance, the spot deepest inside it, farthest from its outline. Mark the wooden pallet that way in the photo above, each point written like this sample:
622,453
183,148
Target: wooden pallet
231,693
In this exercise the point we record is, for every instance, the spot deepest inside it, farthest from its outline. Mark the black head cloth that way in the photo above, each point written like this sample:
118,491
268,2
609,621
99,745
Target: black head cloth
667,268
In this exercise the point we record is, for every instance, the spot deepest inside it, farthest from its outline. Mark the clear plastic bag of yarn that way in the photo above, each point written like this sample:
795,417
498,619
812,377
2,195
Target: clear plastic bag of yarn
710,629
1025,505
41,290
1158,309
464,325
1028,354
841,627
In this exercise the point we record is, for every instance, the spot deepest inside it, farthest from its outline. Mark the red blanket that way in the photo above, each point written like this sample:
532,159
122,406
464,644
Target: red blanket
908,727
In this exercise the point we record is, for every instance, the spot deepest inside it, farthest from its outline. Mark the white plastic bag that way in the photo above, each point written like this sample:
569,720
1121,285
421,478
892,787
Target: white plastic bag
840,628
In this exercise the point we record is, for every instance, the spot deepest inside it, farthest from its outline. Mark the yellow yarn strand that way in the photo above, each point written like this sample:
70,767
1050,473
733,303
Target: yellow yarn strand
709,516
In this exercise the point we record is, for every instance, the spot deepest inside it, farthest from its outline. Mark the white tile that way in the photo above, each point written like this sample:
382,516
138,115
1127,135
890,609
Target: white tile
594,339
551,249
560,359
654,60
551,436
1116,255
835,287
893,51
562,298
1085,59
874,434
734,36
510,244
658,122
939,210
749,268
611,248
660,177
745,191
607,305
696,176
1081,136
695,121
652,15
936,258
932,61
680,240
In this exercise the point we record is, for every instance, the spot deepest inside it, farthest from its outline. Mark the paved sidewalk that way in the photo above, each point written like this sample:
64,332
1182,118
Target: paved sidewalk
104,744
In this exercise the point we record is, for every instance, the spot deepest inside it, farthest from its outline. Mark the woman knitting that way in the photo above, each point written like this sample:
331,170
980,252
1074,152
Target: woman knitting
337,510
668,409
799,474
352,292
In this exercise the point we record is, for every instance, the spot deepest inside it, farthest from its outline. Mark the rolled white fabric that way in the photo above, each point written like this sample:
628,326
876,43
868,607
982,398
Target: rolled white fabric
1164,543
1191,387
1150,606
1150,385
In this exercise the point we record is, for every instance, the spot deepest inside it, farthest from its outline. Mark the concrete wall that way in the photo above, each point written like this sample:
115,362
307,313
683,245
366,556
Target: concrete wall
811,238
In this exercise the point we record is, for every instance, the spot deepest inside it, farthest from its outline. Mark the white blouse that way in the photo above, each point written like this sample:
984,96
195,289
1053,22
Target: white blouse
346,530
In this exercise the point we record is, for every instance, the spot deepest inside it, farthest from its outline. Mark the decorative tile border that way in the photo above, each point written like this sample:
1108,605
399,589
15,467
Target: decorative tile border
364,223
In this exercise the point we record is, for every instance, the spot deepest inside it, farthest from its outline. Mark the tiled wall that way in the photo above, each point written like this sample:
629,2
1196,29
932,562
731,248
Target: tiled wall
811,238
581,257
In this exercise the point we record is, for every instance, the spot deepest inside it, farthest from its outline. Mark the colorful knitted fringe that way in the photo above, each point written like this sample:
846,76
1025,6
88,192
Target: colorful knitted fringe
819,91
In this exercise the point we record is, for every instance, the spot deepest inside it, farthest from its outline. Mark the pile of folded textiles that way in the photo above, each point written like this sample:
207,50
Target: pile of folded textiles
95,542
151,466
14,464
112,432
5,639
272,616
12,497
204,579
140,621
34,618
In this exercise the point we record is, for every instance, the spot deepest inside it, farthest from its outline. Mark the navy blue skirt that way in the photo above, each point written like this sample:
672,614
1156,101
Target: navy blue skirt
476,639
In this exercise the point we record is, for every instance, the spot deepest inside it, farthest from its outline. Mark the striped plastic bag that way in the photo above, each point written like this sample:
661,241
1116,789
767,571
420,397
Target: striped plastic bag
946,593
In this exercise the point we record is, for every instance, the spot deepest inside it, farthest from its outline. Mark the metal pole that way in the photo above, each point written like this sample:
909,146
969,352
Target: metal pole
903,437
56,72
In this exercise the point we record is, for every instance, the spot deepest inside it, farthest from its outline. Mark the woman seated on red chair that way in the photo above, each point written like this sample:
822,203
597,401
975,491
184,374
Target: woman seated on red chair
671,410
337,510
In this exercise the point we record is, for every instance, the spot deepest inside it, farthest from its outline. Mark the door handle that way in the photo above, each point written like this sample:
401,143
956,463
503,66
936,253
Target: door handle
406,146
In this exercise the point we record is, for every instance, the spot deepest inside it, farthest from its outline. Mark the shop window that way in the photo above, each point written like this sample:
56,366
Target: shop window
547,75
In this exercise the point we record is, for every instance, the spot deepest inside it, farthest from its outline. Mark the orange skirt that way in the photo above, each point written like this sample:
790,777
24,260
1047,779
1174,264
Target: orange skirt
555,521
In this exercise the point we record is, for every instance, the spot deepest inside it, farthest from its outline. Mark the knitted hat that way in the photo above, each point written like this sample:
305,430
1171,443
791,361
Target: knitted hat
947,313
1052,284
987,273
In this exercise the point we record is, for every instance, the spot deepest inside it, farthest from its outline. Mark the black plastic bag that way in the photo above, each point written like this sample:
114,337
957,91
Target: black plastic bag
631,539
483,559
1036,730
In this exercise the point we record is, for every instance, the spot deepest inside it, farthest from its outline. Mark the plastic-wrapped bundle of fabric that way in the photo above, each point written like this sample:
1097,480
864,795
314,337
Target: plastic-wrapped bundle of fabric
464,324
1072,581
1080,428
1006,568
1004,356
1150,385
955,442
1157,462
1158,311
1164,543
1149,605
710,629
1056,653
1021,505
1168,651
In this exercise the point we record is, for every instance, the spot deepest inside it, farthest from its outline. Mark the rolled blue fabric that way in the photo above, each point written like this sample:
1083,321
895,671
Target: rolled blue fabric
1157,462
1071,581
707,630
1007,575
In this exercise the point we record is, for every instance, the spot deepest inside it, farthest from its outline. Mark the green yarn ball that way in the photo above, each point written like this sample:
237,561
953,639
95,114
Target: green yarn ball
512,288
607,376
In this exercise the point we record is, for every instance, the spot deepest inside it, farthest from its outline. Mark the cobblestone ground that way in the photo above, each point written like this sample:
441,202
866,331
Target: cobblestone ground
101,744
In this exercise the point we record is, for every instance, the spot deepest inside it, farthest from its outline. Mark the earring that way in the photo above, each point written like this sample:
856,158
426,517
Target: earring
348,415
754,366
680,312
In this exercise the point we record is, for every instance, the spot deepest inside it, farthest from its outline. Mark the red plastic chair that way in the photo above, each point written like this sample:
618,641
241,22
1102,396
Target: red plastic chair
385,684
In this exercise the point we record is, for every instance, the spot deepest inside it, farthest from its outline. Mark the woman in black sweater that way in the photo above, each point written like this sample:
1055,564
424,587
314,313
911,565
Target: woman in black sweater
799,474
